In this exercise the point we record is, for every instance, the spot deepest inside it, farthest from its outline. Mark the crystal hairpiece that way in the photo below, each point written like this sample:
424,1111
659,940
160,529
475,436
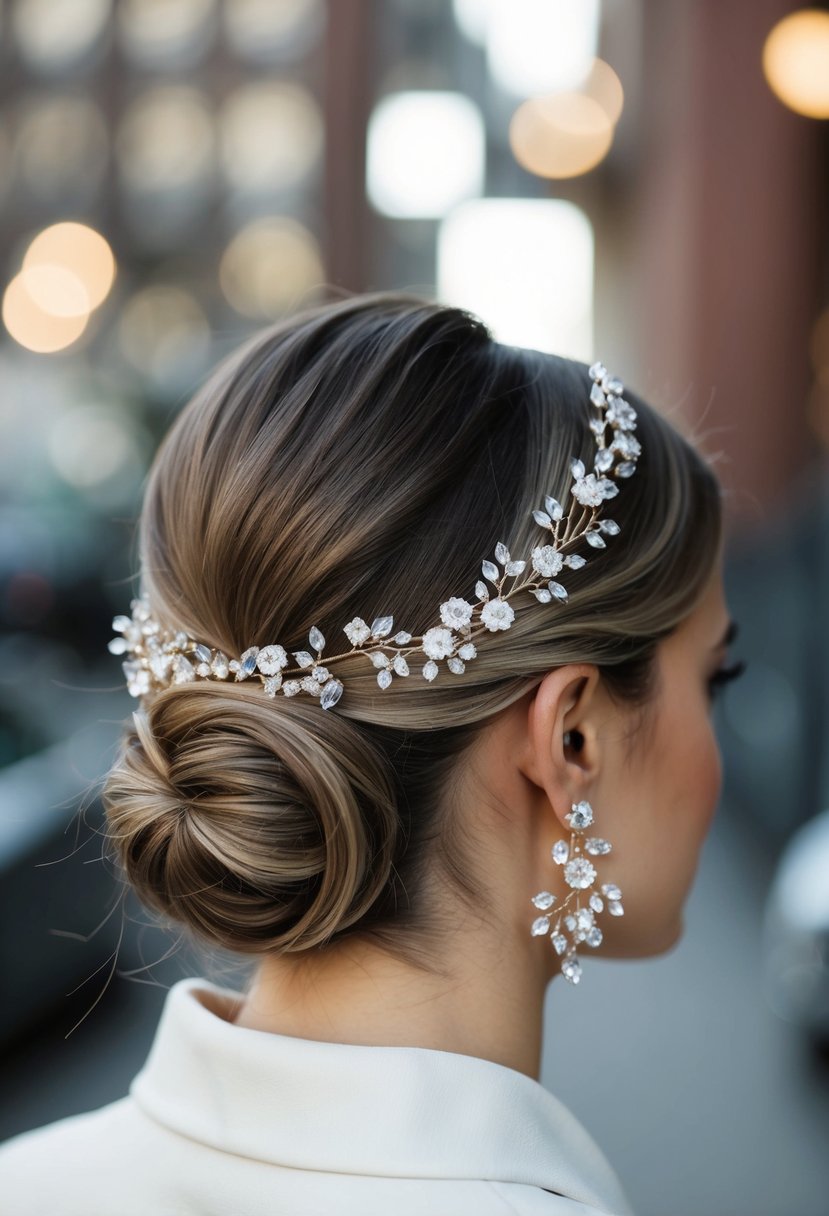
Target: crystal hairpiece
158,657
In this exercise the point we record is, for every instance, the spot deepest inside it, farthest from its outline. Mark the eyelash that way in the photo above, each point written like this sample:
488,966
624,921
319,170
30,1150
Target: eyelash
723,675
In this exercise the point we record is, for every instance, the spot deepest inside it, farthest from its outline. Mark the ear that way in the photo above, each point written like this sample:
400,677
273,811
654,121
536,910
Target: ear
567,699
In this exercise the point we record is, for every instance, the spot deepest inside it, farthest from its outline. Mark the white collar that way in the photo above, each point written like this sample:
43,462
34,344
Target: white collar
399,1111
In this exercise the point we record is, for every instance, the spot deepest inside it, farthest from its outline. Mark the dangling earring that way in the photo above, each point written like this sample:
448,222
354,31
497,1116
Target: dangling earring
579,873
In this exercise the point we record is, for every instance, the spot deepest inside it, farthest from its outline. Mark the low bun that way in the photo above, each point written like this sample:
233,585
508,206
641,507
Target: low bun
263,825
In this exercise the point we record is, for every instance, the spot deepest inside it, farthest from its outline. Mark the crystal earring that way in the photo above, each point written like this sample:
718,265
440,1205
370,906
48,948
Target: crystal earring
579,873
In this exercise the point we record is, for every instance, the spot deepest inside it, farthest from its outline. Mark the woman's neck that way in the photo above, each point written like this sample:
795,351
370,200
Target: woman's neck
491,1004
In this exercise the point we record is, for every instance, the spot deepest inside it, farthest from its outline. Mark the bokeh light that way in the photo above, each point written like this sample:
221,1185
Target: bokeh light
526,267
560,135
165,141
164,334
271,136
796,62
425,153
166,33
32,326
270,266
263,31
78,249
55,34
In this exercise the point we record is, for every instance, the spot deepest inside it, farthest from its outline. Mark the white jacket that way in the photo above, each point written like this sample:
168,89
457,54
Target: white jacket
231,1121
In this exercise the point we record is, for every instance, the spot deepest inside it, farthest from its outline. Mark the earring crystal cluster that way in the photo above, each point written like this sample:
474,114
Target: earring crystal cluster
579,923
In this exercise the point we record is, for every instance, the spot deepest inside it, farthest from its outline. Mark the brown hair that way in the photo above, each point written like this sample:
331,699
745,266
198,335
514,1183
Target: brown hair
361,459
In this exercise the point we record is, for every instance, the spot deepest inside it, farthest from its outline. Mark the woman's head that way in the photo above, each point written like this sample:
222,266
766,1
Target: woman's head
361,459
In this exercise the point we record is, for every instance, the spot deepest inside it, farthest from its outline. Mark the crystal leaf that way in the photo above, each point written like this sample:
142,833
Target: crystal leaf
381,626
430,670
117,646
384,678
560,851
570,922
615,908
203,669
626,469
304,658
502,553
542,518
558,591
515,567
181,641
553,506
400,665
490,571
560,942
481,590
611,890
315,638
594,936
577,468
609,526
542,594
597,425
597,846
597,370
571,969
379,658
202,652
402,637
540,925
604,460
596,902
220,665
182,669
575,561
543,900
456,665
120,623
331,693
597,395
595,539
612,385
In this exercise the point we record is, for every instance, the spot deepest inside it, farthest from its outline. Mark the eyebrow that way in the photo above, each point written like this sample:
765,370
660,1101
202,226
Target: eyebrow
730,634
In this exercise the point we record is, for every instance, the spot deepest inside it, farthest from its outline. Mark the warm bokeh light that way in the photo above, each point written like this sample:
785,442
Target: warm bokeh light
34,328
56,290
525,266
76,248
604,86
796,62
271,136
425,153
270,266
89,444
560,135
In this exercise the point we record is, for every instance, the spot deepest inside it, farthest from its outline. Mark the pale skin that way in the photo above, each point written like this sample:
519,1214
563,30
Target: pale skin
653,797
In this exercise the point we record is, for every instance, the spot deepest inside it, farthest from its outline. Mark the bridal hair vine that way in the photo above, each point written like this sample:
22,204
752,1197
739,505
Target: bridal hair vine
159,657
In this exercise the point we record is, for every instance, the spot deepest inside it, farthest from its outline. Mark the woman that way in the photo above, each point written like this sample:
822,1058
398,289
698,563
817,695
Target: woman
412,842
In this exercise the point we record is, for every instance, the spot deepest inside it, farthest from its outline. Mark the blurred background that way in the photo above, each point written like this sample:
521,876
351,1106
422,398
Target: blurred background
641,181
